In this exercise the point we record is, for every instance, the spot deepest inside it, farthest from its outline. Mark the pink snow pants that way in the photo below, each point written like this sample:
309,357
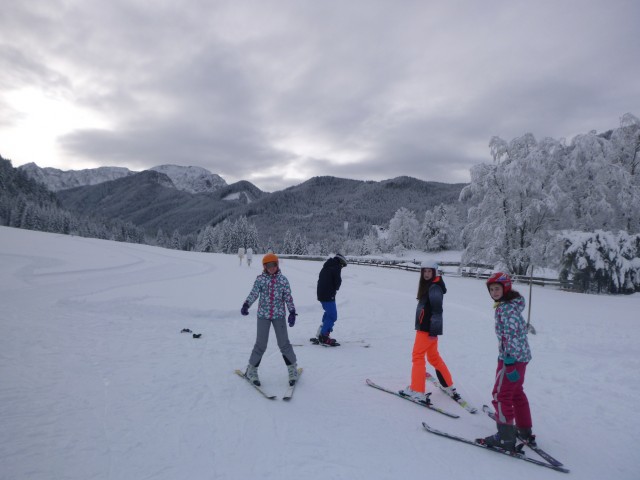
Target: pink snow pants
509,400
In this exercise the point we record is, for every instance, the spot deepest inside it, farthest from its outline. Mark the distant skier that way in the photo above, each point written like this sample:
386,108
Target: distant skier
513,415
275,293
249,256
329,282
241,254
428,325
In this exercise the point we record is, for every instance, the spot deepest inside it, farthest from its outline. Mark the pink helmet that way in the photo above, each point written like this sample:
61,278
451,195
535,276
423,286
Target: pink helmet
501,278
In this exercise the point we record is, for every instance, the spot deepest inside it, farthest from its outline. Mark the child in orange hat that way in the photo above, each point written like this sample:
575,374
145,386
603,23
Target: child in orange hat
274,292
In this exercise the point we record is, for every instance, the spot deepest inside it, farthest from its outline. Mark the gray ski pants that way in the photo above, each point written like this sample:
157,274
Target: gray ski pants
262,338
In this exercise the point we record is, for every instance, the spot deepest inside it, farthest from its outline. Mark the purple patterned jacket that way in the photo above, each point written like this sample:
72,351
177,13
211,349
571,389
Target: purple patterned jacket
511,330
274,292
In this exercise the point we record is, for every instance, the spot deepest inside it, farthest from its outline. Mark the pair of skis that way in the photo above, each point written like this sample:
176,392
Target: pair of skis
518,455
430,406
550,462
459,400
288,394
525,441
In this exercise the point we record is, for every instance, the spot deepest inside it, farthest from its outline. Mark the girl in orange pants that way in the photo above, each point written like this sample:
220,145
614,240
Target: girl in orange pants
426,345
428,325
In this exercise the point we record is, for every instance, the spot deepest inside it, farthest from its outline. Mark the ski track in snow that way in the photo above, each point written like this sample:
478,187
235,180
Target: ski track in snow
96,380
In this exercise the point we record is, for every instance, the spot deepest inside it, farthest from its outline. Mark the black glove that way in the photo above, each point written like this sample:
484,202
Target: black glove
292,318
245,309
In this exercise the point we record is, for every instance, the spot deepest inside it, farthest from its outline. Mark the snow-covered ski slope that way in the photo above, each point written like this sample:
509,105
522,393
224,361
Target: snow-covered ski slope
97,382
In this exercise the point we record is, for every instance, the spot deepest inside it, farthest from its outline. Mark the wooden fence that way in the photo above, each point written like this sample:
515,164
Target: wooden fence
452,269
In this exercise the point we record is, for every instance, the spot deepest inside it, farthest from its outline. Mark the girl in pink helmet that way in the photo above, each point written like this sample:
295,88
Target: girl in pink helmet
513,416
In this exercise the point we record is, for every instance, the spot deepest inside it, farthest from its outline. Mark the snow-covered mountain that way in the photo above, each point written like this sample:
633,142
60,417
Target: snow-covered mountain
188,179
192,179
56,180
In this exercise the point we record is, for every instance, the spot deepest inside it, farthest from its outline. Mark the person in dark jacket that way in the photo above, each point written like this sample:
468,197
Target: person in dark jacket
329,282
428,325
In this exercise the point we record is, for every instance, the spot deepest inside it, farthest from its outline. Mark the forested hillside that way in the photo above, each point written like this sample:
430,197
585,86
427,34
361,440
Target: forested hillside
25,203
316,209
149,200
319,207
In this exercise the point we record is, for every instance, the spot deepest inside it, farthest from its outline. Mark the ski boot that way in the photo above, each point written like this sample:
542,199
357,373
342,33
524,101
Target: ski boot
504,439
327,340
451,391
293,374
419,396
526,436
252,374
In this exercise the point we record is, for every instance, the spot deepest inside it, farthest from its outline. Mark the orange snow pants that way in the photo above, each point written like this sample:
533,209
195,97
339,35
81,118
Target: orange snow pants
427,346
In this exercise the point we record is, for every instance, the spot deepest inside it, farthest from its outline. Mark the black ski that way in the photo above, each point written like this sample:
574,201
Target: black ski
289,393
533,447
520,456
315,341
257,387
418,402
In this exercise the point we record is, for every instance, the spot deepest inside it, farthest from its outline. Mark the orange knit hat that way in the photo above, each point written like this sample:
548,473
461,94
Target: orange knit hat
269,257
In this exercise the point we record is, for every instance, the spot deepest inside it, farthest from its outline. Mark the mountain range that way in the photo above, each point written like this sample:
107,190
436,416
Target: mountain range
187,199
188,179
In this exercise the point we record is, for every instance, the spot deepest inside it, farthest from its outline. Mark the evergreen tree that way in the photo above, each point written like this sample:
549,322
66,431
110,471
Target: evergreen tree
288,245
300,245
161,239
208,241
176,240
601,261
226,237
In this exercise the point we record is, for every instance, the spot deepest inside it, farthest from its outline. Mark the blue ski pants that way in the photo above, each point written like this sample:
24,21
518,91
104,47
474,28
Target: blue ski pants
329,318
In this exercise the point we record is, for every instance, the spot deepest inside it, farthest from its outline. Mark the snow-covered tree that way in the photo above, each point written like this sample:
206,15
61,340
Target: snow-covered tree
300,244
226,242
441,229
535,188
625,153
161,238
513,203
176,240
601,261
403,230
288,243
626,144
371,244
251,239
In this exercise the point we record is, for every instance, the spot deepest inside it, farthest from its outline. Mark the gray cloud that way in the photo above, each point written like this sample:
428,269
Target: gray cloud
370,90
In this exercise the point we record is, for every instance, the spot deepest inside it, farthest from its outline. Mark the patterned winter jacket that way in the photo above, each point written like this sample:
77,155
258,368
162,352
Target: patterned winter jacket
274,292
511,330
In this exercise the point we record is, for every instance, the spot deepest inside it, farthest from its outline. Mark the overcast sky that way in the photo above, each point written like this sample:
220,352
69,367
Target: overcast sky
276,92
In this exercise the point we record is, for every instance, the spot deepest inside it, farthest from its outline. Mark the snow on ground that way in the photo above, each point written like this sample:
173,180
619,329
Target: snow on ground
97,382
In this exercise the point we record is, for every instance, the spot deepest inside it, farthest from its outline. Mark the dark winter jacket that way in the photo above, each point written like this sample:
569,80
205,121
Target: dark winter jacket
429,309
329,280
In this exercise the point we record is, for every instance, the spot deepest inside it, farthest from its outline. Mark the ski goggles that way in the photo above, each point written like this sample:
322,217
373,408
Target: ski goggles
270,264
